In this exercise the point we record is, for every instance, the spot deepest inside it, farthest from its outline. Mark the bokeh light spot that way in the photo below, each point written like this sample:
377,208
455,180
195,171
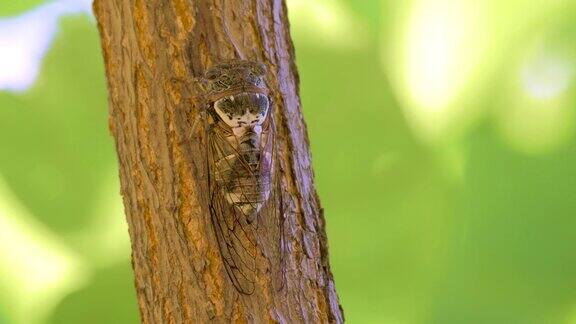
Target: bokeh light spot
441,51
38,268
328,23
546,76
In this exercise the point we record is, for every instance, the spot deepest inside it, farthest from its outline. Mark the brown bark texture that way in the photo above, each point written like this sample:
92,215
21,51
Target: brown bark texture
155,51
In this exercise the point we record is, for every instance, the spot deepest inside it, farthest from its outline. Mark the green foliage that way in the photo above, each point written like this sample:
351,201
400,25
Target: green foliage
10,8
109,298
55,137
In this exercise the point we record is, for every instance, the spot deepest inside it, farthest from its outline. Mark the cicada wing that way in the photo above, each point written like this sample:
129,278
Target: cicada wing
235,236
236,243
271,236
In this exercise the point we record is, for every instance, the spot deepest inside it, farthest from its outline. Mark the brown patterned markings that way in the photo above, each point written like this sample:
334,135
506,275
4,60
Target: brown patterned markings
322,308
143,116
174,90
187,305
183,17
238,313
189,211
151,231
167,310
213,282
143,36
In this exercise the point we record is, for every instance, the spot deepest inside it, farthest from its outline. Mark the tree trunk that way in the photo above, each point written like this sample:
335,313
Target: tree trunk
155,51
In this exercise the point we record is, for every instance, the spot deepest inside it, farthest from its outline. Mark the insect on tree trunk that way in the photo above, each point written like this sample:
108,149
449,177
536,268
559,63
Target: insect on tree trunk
156,53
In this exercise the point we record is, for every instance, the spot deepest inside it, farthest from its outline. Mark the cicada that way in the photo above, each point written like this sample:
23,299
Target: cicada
244,200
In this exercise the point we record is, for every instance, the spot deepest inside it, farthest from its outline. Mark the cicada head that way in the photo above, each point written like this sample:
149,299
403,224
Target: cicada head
235,74
239,95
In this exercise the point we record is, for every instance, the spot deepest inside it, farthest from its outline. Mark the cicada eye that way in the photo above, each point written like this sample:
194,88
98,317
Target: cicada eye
263,102
260,105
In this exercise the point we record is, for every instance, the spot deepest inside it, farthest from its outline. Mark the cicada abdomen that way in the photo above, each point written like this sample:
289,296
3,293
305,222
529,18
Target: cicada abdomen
241,168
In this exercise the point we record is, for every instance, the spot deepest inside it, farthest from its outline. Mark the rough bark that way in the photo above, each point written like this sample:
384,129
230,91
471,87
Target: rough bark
154,51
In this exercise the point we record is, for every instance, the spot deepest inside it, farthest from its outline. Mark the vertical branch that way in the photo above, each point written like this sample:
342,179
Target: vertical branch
154,51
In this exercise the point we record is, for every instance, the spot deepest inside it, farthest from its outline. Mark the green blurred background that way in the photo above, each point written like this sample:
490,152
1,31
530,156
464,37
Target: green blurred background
443,143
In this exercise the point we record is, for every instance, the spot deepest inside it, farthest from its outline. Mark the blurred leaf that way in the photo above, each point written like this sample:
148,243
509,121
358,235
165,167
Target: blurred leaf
368,11
110,298
14,7
513,258
56,146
